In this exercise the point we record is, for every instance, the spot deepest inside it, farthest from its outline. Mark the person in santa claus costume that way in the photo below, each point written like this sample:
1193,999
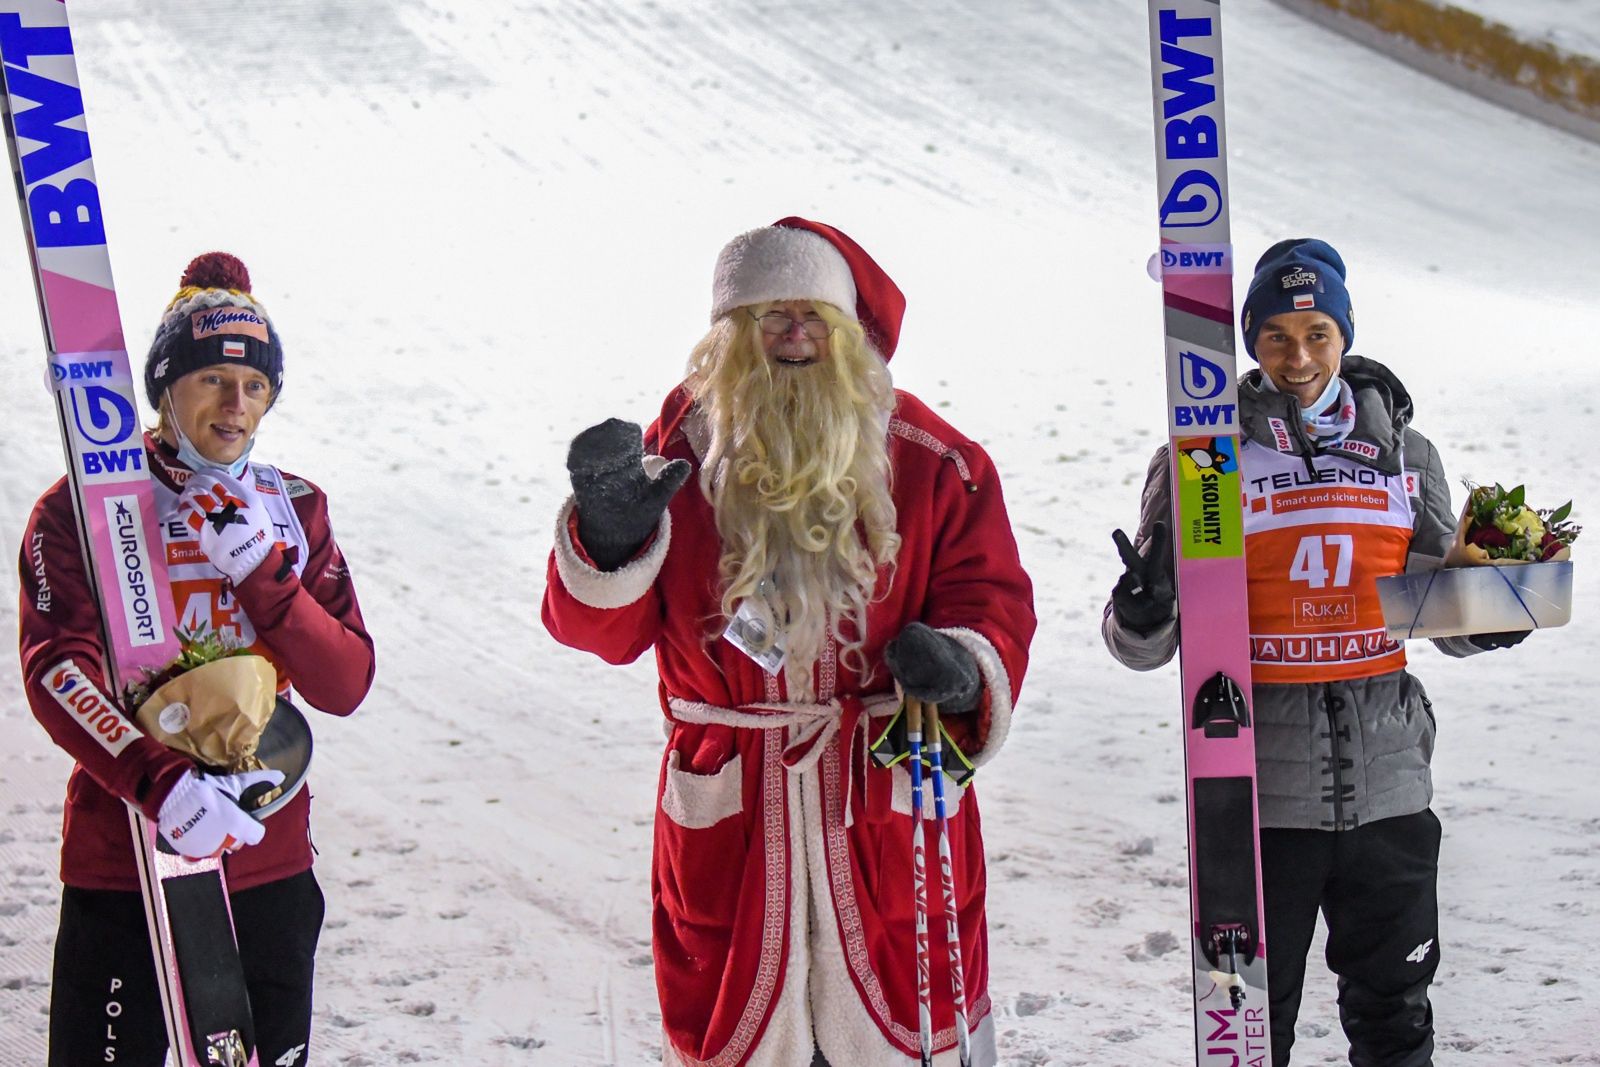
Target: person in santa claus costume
1340,490
837,544
271,580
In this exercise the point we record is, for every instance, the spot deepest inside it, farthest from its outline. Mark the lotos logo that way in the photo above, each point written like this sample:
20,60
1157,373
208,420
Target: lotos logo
233,320
1359,448
1301,278
90,708
1200,378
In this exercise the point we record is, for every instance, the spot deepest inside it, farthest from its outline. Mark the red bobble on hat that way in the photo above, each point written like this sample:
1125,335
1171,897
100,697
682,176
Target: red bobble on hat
880,305
216,270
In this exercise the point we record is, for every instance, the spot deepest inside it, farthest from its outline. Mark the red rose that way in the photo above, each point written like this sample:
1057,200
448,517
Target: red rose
1487,537
1549,547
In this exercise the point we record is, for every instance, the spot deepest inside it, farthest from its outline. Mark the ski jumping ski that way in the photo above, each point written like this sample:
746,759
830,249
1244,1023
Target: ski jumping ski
1196,260
191,929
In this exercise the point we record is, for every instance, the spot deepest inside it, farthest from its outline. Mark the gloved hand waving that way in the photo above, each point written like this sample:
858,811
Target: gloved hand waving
618,503
1143,598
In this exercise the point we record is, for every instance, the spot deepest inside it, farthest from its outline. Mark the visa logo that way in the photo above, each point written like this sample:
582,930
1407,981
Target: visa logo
1203,414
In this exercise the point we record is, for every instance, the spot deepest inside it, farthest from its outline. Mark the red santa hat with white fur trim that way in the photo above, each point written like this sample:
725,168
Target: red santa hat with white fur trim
797,259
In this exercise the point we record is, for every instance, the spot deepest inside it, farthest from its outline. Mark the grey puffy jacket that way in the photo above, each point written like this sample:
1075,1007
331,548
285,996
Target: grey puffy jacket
1330,755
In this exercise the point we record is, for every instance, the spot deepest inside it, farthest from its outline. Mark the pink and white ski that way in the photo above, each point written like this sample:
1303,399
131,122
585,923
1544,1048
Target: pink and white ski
191,932
1229,950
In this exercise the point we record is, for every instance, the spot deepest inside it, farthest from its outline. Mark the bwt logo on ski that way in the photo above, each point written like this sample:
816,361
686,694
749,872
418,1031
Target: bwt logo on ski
1194,197
90,708
80,370
1203,259
141,609
1202,379
68,214
104,419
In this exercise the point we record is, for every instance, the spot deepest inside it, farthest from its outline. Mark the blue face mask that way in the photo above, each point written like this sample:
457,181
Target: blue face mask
191,457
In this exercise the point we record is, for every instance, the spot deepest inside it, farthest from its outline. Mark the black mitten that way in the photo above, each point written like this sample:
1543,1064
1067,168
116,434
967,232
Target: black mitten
1143,598
934,667
618,503
1504,639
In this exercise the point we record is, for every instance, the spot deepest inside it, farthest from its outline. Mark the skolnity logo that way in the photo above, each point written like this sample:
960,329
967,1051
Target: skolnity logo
141,609
89,707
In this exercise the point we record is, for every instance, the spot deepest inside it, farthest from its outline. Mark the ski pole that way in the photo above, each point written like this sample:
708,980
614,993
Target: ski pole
919,882
947,885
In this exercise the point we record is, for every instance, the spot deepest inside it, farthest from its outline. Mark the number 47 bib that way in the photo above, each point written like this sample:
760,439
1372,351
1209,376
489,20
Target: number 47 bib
1315,543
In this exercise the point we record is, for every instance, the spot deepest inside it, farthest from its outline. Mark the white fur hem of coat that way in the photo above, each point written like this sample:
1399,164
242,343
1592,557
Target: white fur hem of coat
845,1031
996,681
608,589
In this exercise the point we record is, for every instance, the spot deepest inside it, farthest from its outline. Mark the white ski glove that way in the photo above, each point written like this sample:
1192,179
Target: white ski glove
231,520
202,818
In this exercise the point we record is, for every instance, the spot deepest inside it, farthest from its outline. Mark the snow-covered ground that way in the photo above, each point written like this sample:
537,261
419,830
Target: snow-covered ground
458,216
1573,25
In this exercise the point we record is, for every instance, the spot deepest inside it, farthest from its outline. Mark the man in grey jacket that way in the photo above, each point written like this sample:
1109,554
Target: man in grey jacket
1340,491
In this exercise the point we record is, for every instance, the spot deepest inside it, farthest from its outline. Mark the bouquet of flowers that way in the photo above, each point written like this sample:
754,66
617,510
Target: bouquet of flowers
212,701
1497,527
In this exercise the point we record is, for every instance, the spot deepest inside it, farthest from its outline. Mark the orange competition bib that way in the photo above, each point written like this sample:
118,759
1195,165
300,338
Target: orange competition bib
1315,543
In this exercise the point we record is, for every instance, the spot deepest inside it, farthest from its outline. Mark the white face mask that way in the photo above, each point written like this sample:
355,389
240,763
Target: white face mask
191,457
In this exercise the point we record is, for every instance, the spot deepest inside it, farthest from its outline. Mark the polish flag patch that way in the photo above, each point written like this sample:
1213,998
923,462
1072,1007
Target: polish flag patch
1304,301
235,349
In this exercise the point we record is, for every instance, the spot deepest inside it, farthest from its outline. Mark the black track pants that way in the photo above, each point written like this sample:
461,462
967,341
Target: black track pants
104,1006
1377,888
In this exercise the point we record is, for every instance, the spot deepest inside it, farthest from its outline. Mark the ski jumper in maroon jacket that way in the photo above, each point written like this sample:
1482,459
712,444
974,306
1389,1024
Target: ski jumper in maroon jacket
782,878
298,608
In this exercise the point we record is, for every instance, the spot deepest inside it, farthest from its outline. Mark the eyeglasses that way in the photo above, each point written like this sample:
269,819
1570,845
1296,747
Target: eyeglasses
777,324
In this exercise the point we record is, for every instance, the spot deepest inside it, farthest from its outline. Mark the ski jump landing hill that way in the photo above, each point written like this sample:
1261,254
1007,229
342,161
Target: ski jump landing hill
1539,78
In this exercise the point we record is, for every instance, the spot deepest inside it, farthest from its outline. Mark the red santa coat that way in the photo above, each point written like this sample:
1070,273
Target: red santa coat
782,877
300,605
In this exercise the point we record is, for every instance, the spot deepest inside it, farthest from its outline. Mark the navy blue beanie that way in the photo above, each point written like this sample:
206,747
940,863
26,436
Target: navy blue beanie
1300,274
213,319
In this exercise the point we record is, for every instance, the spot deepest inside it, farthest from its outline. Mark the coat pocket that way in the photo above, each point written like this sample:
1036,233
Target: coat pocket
697,801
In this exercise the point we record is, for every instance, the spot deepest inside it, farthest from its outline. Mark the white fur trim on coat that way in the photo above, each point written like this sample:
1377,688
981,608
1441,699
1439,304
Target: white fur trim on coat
696,801
608,589
996,681
780,263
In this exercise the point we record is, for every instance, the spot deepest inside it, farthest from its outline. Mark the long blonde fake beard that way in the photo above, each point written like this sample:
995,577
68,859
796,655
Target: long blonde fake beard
797,472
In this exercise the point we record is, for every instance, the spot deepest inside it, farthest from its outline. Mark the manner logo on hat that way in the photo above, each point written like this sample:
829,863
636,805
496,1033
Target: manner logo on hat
233,349
235,320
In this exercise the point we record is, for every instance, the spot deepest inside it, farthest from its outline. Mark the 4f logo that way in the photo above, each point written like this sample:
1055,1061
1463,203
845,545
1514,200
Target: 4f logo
1420,953
290,1058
